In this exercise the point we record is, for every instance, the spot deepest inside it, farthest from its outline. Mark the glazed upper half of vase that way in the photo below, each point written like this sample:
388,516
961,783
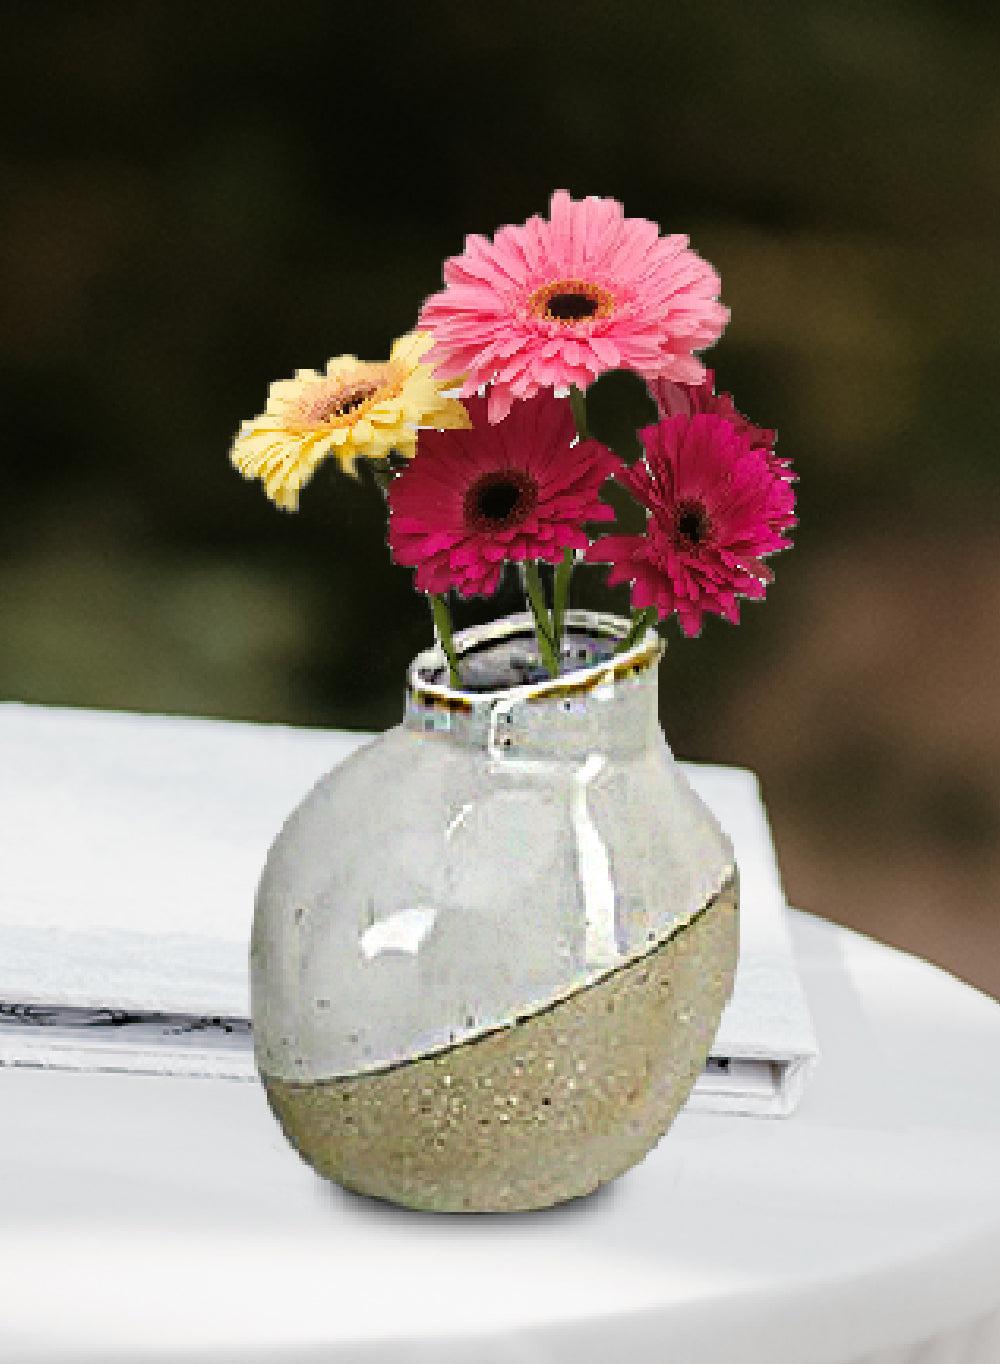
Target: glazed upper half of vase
496,852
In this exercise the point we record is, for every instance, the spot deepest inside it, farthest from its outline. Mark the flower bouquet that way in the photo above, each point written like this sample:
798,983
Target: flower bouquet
490,951
506,472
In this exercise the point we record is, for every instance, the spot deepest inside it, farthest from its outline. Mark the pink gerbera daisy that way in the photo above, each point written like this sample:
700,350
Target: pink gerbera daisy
471,500
556,303
686,400
716,507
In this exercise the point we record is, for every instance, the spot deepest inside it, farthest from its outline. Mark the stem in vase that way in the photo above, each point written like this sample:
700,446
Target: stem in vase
641,621
442,627
543,624
560,597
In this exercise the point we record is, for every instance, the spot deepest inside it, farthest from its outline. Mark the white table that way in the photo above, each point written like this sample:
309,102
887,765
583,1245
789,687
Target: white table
162,1218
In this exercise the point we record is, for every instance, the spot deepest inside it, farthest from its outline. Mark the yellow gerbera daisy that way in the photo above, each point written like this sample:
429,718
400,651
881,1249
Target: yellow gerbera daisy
355,410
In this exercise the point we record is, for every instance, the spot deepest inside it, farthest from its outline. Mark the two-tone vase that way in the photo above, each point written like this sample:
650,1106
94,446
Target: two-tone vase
491,949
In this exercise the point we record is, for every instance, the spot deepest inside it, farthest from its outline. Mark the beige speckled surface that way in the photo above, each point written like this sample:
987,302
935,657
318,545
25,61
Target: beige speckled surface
545,1110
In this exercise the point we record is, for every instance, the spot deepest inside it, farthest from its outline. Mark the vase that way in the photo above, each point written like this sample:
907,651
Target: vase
491,949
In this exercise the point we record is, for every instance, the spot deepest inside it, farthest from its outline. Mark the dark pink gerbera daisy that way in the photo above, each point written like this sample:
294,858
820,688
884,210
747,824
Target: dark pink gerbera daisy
469,501
717,506
686,400
556,303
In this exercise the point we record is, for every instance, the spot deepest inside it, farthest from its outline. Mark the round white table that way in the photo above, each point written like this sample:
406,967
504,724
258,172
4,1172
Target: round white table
159,1218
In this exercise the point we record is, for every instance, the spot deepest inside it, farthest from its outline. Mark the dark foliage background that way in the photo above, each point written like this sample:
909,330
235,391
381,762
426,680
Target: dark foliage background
199,199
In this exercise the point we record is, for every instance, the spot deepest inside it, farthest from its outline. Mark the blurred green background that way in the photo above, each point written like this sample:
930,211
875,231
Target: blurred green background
200,199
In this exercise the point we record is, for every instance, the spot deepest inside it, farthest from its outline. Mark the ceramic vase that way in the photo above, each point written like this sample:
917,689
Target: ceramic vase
491,949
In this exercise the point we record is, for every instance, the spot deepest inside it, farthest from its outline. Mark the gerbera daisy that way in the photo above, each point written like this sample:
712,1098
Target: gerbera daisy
520,490
685,400
554,304
354,410
716,507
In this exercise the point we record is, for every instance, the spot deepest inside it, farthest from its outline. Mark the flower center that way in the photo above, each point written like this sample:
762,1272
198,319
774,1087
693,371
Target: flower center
570,307
332,400
499,499
345,403
692,525
570,300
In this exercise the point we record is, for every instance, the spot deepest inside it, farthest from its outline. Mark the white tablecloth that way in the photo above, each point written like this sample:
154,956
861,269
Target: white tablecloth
155,1218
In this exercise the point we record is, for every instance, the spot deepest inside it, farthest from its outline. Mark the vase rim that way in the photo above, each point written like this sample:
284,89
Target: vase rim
641,657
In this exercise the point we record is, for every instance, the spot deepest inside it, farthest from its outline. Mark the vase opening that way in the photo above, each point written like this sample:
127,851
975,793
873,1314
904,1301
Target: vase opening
505,654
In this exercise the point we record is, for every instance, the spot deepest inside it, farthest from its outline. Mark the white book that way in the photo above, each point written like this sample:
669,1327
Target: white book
130,850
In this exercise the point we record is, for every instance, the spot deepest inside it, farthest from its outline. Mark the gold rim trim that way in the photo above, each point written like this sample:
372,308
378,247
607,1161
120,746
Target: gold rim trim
432,696
629,667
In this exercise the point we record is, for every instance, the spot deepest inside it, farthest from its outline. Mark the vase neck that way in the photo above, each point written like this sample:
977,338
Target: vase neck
607,706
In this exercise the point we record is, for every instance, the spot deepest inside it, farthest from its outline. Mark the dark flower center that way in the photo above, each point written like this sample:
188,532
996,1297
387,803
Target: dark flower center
352,400
571,307
499,499
692,524
570,300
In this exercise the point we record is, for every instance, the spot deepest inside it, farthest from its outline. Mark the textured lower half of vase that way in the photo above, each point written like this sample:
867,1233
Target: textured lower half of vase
538,1112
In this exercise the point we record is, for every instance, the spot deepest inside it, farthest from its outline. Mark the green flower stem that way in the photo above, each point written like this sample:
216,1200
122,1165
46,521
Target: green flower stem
641,621
560,596
543,624
442,624
382,473
578,402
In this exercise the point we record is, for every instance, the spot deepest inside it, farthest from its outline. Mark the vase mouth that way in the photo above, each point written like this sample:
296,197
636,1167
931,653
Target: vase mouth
590,638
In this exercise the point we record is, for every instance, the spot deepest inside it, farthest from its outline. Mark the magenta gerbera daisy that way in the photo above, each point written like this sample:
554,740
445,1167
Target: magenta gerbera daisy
716,505
686,400
471,500
556,303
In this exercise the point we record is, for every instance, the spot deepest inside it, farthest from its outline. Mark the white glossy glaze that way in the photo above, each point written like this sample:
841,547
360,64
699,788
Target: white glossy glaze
470,867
